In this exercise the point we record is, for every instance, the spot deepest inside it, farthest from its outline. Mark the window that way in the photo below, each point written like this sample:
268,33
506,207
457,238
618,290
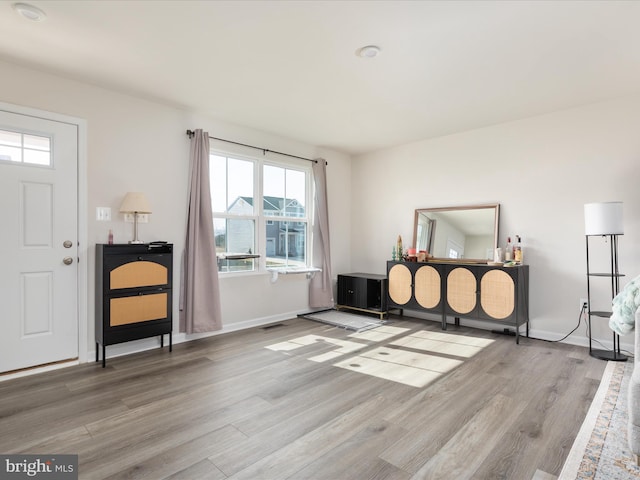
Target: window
285,197
259,212
25,148
454,249
234,215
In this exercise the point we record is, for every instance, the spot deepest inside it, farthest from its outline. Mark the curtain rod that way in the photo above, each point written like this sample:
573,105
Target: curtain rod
191,133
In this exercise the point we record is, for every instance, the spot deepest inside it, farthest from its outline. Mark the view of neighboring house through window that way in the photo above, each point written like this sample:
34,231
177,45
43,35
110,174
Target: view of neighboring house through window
234,217
258,209
284,202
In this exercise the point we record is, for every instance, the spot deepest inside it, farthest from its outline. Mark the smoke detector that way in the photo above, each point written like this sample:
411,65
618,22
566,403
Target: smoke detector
368,51
29,12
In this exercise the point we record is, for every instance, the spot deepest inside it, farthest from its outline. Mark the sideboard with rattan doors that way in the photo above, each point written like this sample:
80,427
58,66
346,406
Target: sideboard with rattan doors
495,294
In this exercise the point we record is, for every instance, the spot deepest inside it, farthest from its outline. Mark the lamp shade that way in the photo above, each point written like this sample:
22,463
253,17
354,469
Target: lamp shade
603,218
135,202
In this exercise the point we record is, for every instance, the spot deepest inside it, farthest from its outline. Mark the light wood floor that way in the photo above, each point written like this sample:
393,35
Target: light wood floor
228,407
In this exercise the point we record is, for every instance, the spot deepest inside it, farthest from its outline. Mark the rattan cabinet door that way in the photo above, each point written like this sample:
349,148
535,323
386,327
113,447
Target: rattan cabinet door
427,287
400,286
497,294
461,291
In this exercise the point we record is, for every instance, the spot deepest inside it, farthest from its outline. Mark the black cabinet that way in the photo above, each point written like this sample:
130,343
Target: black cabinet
366,292
133,293
475,291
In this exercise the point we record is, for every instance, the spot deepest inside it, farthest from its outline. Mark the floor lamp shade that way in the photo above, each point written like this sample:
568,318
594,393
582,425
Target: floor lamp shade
603,218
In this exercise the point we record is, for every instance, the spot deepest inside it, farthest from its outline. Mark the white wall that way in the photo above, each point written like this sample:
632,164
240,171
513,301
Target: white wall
542,171
139,145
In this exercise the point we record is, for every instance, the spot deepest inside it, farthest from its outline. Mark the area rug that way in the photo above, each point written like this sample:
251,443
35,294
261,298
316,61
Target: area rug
601,451
350,321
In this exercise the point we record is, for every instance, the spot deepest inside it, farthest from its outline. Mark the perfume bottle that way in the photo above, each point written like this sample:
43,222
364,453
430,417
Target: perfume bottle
517,250
508,251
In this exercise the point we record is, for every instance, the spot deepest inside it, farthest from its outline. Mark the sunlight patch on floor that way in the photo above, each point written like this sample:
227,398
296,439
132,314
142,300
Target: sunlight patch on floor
344,346
413,359
443,343
412,376
416,359
379,334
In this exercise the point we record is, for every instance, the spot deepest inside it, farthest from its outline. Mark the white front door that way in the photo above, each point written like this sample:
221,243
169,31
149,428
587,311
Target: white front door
38,241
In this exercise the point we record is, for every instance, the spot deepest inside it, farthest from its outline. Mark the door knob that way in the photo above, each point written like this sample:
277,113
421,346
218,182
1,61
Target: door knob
67,260
67,244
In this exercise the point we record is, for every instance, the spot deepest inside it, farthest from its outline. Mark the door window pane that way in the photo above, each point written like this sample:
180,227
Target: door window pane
25,148
10,154
11,139
37,157
35,142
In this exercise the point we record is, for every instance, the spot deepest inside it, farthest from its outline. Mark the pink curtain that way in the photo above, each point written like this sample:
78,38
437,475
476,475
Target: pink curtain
200,309
321,285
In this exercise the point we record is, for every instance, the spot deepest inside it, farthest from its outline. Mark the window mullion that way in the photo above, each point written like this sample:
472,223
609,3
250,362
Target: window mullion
261,240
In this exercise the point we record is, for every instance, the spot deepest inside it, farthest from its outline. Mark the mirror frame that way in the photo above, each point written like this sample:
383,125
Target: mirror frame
496,222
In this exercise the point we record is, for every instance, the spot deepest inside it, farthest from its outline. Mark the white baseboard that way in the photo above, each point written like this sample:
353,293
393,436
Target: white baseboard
579,340
136,346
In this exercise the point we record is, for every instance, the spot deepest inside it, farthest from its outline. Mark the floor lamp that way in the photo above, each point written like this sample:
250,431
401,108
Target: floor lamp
604,220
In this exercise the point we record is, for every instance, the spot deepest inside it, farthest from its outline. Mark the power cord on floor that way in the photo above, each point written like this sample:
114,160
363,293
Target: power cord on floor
582,312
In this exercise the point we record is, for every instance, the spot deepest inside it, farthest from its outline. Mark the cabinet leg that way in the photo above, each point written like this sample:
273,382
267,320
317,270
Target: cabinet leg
162,341
170,341
517,334
104,356
457,321
97,350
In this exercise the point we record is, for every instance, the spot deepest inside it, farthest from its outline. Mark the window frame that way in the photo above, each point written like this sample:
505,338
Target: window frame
261,220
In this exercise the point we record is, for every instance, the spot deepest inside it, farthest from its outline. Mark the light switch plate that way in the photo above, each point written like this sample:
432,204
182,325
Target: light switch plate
103,214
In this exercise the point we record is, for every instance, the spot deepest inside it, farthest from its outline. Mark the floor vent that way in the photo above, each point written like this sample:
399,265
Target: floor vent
268,327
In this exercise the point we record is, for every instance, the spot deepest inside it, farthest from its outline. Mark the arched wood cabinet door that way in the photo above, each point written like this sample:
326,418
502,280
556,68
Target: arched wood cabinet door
400,284
497,294
461,290
427,287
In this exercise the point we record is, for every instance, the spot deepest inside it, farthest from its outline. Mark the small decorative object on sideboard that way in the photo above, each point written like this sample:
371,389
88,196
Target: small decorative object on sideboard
517,250
508,251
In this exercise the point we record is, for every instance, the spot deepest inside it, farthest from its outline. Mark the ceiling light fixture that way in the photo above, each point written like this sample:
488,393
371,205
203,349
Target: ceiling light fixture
29,12
369,51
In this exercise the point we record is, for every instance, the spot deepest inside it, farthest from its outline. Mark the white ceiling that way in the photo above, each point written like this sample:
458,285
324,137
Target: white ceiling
290,67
